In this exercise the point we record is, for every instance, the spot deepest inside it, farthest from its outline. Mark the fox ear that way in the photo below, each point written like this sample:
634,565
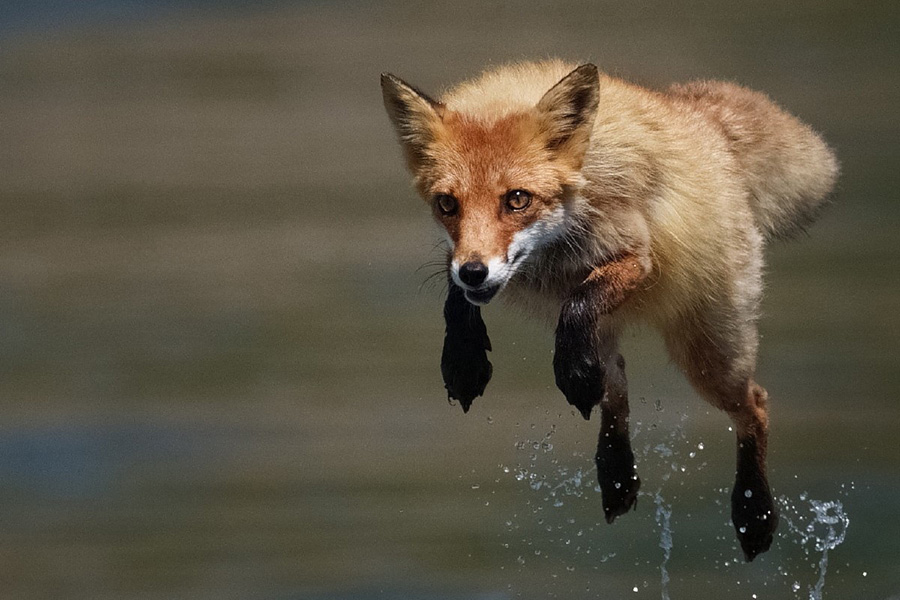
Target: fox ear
415,116
568,111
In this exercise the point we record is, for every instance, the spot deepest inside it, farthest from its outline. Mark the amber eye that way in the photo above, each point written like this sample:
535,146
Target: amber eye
518,199
447,204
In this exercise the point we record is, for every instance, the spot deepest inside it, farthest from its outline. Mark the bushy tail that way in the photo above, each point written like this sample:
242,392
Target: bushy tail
788,168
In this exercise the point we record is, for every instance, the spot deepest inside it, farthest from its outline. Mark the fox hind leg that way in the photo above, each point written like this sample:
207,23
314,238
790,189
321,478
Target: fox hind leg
616,471
753,510
605,385
718,356
591,372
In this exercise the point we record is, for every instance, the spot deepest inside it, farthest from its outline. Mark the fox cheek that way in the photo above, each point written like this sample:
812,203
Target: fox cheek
540,233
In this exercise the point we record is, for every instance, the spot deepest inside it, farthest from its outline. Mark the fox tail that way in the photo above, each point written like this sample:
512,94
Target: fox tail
788,168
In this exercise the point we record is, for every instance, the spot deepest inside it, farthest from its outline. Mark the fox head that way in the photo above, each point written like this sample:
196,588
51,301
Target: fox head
500,180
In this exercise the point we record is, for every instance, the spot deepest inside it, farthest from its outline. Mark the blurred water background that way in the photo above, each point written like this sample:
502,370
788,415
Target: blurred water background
219,366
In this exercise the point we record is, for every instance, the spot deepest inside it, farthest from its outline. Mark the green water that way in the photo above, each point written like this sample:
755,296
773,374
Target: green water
219,367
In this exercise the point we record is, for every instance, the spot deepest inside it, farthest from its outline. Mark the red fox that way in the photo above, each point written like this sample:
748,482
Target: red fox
604,202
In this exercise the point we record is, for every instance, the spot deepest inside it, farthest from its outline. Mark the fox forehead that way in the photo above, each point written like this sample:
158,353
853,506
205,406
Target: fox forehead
474,157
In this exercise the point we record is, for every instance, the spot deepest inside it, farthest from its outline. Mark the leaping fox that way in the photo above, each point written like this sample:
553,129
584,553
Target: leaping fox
604,202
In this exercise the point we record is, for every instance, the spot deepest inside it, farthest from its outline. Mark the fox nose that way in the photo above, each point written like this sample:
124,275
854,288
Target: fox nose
473,273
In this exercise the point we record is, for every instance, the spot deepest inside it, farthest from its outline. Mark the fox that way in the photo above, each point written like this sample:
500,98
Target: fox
599,203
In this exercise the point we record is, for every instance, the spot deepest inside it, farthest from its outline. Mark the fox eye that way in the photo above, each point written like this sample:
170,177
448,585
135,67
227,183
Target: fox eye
447,204
518,199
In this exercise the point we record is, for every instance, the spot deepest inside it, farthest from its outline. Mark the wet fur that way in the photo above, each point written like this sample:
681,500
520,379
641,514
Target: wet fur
666,200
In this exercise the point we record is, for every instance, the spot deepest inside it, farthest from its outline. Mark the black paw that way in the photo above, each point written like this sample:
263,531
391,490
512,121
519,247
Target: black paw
580,377
754,516
619,483
465,367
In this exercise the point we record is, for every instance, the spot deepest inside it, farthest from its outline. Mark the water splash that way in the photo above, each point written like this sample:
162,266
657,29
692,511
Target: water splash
558,481
817,527
823,530
663,520
555,480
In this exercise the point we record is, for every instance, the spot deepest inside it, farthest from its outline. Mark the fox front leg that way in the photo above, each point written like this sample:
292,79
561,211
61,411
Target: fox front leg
464,363
585,341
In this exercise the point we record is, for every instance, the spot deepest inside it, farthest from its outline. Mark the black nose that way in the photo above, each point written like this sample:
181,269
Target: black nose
473,273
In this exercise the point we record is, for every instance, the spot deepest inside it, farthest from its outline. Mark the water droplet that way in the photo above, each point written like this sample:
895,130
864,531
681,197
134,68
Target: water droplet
742,529
748,494
634,589
795,587
475,486
618,485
